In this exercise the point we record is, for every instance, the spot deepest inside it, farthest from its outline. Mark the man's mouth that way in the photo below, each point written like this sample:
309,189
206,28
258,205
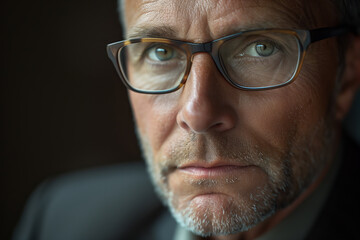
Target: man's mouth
202,170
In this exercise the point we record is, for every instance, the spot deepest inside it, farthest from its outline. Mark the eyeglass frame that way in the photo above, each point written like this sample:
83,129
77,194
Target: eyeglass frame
304,39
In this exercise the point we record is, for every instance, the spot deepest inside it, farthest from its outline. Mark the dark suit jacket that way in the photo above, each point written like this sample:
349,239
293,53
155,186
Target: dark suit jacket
340,217
118,202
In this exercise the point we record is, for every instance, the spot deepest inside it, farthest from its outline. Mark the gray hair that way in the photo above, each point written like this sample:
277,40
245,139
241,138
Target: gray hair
121,14
349,11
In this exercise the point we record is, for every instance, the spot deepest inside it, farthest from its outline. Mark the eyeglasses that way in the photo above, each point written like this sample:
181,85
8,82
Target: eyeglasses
248,60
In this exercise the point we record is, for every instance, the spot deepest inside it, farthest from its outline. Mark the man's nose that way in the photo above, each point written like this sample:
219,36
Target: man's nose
206,101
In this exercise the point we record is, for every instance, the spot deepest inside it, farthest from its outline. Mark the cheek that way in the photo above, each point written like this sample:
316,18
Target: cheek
319,74
306,102
155,116
271,117
276,117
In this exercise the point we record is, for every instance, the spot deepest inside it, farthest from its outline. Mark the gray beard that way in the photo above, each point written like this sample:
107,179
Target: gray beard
300,165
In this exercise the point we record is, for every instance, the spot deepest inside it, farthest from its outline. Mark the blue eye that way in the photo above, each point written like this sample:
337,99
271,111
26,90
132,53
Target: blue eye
161,53
261,49
264,49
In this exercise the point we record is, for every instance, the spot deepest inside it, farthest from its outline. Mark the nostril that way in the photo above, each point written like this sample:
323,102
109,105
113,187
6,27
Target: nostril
222,126
183,125
202,123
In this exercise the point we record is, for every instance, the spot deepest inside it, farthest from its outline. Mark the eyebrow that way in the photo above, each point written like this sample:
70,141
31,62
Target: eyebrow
165,31
153,32
170,33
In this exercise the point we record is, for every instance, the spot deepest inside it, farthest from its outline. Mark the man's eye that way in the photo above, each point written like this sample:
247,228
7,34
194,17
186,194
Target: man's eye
161,53
260,49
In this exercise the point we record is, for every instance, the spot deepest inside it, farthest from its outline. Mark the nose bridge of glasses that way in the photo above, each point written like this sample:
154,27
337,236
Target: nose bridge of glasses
200,47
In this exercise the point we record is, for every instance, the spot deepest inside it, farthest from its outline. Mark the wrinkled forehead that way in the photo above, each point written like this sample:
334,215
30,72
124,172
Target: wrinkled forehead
219,17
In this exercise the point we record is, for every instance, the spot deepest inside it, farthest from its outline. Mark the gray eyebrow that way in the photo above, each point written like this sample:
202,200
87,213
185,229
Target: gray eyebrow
166,31
147,31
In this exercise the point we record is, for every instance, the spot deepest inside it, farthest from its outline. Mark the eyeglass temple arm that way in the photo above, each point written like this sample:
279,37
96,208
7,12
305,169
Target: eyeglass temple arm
323,33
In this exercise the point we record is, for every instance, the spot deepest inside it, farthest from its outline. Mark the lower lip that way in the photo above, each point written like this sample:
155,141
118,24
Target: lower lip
214,171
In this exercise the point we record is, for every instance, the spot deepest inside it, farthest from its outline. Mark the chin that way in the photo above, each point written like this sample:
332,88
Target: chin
221,214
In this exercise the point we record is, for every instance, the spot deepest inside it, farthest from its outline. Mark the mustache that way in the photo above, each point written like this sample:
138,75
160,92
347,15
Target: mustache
208,149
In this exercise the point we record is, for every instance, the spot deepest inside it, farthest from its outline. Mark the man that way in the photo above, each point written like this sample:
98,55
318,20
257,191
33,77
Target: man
238,108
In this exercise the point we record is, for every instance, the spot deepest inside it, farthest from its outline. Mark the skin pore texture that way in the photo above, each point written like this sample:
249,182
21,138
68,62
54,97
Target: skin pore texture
231,164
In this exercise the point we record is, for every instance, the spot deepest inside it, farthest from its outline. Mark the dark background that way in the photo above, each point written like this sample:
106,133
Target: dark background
63,107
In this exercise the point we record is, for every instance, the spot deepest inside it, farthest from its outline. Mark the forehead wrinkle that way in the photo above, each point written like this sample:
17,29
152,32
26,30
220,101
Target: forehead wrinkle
312,14
196,14
296,12
285,16
142,13
217,13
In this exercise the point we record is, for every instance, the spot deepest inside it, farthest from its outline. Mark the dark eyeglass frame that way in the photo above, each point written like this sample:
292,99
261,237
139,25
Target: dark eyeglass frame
304,38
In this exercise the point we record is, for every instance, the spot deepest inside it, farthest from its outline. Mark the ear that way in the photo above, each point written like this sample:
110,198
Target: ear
350,81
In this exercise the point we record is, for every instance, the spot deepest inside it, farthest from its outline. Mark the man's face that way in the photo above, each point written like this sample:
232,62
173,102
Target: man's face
224,159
